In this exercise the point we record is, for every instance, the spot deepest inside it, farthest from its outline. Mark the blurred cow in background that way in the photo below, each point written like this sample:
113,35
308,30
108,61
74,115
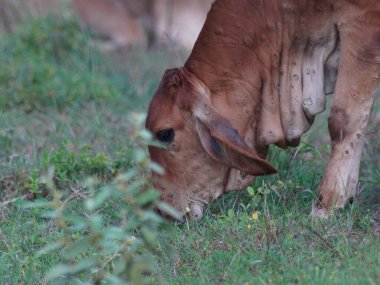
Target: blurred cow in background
180,21
131,22
124,22
13,12
112,19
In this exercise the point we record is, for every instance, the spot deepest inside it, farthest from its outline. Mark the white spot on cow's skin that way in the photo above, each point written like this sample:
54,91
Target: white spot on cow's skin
308,102
206,110
307,71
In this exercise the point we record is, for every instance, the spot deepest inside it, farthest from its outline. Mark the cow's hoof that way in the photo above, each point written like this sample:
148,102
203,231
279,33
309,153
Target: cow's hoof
318,212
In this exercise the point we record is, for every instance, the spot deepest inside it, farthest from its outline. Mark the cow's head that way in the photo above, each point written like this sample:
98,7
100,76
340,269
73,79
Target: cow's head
202,147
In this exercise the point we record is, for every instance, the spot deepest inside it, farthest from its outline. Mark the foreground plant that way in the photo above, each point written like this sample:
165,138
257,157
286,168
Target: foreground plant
98,244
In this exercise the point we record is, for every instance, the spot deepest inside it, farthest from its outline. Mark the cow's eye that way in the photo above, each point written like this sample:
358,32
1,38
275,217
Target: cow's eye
166,136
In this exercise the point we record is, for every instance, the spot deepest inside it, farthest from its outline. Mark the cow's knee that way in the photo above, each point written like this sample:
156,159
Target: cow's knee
337,124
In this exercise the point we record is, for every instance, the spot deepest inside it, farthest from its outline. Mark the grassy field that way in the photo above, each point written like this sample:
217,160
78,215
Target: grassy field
66,106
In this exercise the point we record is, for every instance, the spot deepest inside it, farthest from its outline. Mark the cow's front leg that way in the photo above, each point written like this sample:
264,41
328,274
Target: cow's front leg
352,104
347,126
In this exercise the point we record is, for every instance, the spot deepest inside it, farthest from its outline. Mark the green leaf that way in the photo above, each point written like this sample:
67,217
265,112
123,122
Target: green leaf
137,119
152,217
96,222
49,248
149,236
81,246
156,168
133,188
251,191
266,191
145,135
230,213
62,270
127,176
112,279
115,233
41,203
98,200
51,214
168,210
140,155
148,196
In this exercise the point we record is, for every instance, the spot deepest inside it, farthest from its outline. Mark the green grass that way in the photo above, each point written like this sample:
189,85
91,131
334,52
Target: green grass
65,106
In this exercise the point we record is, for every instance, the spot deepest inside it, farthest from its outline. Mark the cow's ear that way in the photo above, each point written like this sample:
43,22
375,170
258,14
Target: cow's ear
223,143
216,134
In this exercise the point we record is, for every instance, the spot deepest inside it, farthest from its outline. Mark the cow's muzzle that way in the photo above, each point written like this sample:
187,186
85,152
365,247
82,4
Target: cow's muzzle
196,210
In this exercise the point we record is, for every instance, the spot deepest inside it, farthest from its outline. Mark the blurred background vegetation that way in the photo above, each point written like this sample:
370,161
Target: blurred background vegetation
76,200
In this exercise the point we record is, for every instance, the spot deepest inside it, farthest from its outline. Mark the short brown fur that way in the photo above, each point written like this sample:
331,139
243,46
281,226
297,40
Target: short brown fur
261,70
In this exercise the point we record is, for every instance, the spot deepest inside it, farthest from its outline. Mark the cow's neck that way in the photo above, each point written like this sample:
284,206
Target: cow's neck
229,58
265,63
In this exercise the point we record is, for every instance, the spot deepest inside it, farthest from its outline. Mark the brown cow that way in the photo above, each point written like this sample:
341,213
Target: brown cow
111,18
126,21
258,75
180,21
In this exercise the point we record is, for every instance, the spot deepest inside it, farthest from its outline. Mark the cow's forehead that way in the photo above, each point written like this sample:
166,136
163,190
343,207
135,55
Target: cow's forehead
162,112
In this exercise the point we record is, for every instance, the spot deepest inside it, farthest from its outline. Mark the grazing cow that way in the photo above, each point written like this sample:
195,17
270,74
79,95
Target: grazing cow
258,75
110,18
179,20
125,22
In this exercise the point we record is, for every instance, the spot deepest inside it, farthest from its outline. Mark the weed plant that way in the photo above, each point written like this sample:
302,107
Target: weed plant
98,246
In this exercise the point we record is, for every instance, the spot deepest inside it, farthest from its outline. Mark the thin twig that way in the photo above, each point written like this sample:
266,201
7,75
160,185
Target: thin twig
5,203
327,243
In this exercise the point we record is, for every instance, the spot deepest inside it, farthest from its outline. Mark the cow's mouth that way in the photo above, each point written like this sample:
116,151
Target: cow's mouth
193,212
